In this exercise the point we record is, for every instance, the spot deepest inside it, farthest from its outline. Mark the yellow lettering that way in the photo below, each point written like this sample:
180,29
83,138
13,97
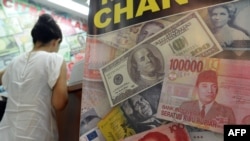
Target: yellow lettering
104,2
128,10
97,18
181,2
152,5
101,19
165,4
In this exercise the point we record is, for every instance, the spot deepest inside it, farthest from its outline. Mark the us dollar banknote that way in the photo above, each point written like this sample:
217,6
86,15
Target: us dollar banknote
143,66
206,93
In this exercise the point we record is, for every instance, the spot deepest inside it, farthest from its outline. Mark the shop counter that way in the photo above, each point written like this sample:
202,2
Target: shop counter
69,118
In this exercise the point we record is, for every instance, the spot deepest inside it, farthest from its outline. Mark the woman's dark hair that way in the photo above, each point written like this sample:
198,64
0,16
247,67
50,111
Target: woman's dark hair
46,29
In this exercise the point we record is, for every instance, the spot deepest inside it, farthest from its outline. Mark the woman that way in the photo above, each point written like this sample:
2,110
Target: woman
36,83
220,16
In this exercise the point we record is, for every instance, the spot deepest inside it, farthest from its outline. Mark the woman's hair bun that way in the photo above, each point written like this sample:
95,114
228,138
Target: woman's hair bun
45,18
46,29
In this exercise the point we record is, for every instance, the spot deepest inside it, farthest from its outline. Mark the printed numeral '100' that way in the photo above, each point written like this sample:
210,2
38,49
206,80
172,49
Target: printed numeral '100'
186,65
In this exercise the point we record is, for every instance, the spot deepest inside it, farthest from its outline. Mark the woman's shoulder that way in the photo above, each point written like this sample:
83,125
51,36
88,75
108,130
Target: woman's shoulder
56,55
17,59
51,55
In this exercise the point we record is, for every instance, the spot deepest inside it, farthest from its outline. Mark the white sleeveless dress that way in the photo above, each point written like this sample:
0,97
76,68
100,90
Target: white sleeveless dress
29,114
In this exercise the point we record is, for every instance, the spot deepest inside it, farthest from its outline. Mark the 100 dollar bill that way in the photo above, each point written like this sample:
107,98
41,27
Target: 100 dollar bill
221,85
123,77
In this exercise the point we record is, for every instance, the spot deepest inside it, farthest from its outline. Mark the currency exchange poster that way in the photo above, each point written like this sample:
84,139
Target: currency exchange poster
157,29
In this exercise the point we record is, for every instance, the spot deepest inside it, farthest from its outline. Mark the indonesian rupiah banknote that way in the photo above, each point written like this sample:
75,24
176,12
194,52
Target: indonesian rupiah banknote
143,66
221,86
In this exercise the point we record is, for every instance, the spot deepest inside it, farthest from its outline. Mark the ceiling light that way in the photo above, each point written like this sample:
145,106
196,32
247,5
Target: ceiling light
69,4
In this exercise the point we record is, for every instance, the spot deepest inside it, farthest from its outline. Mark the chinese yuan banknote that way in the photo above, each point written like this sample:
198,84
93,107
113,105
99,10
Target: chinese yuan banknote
142,66
167,132
206,93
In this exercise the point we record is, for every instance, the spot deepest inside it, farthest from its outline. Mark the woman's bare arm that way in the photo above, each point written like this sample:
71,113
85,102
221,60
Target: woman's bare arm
1,75
60,93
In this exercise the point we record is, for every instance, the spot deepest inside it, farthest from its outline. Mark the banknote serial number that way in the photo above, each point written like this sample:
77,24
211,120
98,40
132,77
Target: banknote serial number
186,65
